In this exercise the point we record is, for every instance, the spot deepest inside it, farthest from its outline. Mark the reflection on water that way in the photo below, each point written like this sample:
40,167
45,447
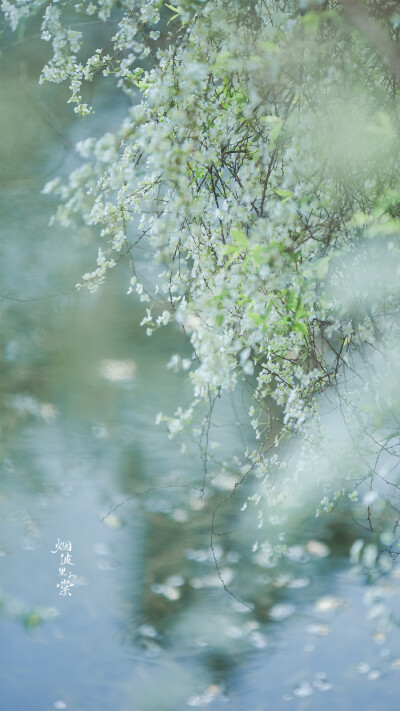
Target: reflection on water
148,625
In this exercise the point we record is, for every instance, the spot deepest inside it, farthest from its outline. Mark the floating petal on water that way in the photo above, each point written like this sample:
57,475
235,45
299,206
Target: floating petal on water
298,583
317,549
147,631
117,370
322,685
303,689
258,640
328,603
320,630
113,521
281,611
363,668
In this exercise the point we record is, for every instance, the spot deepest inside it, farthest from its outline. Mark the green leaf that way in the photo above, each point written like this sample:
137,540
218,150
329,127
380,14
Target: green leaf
257,254
359,219
229,249
240,239
177,10
391,436
292,300
243,299
269,46
257,318
284,193
300,327
32,619
322,267
142,85
21,29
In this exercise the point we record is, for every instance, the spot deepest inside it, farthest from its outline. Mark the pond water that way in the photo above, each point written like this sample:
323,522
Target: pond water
148,625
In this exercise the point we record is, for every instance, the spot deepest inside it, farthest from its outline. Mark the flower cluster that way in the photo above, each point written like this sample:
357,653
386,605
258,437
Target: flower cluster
260,162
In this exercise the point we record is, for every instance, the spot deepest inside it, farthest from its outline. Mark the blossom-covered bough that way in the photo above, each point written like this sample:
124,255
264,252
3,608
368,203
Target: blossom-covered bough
259,160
